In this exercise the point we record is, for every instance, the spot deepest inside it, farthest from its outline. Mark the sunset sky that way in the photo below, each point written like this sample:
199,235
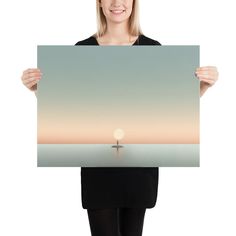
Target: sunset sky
86,92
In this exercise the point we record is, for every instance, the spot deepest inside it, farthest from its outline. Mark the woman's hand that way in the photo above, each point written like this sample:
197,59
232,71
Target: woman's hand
207,75
30,78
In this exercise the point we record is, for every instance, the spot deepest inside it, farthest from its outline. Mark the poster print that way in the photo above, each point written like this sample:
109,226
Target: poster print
118,106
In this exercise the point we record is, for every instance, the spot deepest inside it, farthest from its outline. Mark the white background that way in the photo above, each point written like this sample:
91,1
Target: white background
47,201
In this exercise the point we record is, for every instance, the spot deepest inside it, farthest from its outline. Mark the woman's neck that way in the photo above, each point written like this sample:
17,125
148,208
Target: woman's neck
117,33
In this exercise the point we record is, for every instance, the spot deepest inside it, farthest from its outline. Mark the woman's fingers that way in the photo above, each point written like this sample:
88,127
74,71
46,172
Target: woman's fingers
30,70
207,74
210,82
210,70
33,88
31,81
30,77
206,68
31,84
28,80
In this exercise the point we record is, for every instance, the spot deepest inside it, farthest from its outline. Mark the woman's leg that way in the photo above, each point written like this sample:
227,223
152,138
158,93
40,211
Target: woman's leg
104,222
131,221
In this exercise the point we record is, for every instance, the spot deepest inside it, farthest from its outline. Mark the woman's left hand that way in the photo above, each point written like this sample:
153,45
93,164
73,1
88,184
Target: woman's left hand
208,75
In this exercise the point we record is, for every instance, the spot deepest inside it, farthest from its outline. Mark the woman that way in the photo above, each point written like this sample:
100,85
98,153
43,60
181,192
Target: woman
116,198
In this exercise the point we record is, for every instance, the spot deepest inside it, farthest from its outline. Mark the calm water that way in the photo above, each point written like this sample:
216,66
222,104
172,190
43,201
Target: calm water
103,155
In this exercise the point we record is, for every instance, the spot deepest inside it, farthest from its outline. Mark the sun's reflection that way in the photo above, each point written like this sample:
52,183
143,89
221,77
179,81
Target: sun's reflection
118,134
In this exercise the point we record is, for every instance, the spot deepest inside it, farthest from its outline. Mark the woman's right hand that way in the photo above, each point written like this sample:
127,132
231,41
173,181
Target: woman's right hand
30,78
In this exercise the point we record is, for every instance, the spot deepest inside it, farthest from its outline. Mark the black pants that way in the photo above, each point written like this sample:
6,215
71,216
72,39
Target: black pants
116,221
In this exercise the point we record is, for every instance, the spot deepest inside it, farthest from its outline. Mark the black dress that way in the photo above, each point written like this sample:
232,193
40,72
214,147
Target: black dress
108,187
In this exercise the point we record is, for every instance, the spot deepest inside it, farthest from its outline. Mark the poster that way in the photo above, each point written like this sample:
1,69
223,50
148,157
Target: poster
118,106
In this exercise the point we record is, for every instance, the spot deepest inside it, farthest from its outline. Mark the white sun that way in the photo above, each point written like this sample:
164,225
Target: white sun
118,134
